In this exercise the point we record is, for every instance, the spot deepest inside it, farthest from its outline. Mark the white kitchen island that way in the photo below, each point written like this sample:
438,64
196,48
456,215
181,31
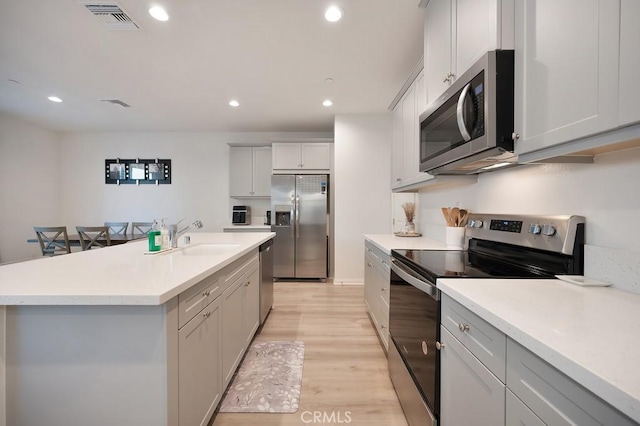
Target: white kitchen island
117,337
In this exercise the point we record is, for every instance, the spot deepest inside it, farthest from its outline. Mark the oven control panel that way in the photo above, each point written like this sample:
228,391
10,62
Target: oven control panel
553,233
506,225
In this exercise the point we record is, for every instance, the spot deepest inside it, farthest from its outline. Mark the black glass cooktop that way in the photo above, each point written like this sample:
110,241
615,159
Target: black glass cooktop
485,260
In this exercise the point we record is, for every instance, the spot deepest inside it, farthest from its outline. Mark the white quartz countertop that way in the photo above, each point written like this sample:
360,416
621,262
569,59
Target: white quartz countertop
588,333
388,242
247,228
123,274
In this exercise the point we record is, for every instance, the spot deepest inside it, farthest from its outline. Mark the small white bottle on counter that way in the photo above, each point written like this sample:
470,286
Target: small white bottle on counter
164,237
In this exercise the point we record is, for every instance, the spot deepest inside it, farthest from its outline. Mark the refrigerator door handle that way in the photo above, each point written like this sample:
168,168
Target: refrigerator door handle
292,216
297,217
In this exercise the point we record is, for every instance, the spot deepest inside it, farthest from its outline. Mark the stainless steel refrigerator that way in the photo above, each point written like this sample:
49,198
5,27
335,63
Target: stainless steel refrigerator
299,217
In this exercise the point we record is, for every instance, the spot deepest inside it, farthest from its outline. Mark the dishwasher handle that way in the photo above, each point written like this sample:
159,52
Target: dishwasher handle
414,279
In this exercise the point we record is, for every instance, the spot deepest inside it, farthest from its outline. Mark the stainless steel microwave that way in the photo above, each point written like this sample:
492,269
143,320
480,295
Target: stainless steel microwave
469,128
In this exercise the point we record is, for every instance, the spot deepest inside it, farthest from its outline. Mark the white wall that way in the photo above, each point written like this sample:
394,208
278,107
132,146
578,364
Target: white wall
29,173
606,193
362,201
58,179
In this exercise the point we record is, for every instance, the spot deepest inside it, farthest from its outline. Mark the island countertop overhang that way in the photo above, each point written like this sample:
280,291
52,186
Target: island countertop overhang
122,275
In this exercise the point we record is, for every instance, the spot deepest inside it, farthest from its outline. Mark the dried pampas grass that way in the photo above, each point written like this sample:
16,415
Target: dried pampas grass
409,211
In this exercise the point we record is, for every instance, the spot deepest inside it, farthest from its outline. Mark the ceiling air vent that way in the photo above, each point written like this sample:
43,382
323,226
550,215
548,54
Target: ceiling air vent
117,102
111,15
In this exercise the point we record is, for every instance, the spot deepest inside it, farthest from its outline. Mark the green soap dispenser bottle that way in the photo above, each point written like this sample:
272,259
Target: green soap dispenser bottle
155,238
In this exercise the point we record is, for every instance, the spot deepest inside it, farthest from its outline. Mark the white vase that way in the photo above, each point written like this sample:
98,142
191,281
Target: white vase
454,237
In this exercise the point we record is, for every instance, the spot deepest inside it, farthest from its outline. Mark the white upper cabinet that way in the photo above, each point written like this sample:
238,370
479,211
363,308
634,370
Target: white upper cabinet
405,144
301,156
459,32
410,156
396,145
437,47
629,62
566,70
250,171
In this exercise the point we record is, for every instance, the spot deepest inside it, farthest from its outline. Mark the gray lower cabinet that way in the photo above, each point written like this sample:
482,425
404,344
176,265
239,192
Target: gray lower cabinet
489,379
470,392
200,381
240,316
377,274
552,396
519,414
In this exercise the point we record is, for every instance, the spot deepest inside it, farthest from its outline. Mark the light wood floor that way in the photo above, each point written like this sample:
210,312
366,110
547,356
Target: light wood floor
345,378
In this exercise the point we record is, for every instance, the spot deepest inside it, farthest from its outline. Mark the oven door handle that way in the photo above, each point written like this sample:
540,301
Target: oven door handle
416,281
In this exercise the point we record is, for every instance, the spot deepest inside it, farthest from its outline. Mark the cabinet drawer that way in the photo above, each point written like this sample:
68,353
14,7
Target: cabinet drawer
552,396
482,339
193,300
236,270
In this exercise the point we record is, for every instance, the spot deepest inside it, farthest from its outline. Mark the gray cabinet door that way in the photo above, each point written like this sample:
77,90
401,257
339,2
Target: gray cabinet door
469,393
200,382
232,329
553,397
519,414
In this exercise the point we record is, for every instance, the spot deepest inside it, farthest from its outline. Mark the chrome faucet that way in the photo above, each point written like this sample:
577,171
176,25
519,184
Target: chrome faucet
174,234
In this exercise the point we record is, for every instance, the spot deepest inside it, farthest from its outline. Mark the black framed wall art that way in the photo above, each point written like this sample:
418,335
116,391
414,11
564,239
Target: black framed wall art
137,171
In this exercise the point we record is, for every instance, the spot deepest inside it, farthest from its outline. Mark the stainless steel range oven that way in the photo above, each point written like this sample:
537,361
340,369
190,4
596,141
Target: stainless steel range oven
499,246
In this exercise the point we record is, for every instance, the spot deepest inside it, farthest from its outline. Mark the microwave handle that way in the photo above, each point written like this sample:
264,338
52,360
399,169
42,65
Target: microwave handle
459,113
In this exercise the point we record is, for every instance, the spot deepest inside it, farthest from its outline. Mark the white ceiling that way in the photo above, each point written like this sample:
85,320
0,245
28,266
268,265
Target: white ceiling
273,56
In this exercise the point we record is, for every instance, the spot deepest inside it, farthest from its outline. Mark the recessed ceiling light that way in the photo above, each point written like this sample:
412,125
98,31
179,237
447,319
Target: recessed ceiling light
328,80
54,99
234,103
327,102
333,14
159,13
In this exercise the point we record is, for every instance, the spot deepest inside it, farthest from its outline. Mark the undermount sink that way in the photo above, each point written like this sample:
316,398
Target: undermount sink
208,249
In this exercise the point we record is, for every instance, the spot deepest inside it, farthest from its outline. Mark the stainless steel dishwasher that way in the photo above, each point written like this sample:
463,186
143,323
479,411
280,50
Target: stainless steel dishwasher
266,279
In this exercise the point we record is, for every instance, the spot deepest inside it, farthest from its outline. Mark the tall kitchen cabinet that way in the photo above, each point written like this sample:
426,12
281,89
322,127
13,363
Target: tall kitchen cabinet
459,32
301,156
566,70
250,171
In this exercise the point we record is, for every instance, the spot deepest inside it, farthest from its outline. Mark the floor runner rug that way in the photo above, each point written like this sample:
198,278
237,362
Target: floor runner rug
268,380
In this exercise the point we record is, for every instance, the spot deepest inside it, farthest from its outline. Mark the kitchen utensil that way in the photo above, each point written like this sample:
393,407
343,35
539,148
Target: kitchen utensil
455,211
462,217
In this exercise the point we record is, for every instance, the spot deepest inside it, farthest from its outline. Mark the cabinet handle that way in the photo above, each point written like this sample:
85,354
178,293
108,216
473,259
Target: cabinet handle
515,136
446,79
382,326
247,283
439,346
206,315
369,264
206,293
463,327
